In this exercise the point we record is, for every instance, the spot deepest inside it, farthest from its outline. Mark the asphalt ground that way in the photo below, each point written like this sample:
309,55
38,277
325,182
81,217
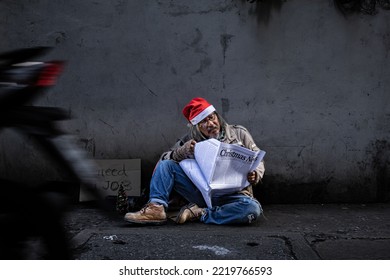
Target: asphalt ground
284,232
321,241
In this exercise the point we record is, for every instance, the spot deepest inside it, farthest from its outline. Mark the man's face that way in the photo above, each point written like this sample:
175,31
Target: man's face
210,126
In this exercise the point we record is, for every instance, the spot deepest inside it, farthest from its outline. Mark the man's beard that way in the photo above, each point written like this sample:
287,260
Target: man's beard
215,135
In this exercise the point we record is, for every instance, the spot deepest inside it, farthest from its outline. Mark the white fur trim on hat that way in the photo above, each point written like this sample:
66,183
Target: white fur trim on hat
198,118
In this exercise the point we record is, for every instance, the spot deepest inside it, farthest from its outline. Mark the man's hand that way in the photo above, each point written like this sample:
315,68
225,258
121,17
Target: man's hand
252,176
185,151
191,144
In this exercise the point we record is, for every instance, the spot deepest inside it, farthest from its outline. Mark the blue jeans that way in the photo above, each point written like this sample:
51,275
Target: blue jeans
228,209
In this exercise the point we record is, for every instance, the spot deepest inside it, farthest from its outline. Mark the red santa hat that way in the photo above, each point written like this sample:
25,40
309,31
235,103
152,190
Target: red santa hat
197,109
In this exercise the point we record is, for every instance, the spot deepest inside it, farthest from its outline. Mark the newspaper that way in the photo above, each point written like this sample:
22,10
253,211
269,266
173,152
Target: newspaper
220,168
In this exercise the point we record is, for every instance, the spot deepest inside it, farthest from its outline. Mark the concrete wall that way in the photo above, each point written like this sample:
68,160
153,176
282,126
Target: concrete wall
311,85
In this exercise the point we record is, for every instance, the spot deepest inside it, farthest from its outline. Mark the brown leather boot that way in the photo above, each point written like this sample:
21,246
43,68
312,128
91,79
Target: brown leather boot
151,214
190,212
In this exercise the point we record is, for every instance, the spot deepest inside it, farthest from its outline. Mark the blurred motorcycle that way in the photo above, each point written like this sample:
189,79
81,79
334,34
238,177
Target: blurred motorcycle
31,216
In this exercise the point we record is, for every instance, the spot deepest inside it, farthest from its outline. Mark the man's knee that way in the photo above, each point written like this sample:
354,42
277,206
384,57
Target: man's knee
253,210
166,164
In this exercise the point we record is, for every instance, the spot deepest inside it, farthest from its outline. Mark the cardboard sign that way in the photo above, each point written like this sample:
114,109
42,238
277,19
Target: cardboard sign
113,173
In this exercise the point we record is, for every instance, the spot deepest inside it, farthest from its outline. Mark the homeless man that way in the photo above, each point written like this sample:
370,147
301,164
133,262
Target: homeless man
237,208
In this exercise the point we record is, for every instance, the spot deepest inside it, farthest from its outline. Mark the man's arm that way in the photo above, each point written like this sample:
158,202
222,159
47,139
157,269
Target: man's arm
183,148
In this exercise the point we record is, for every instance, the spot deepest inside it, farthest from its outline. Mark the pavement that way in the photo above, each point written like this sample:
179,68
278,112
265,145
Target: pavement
284,232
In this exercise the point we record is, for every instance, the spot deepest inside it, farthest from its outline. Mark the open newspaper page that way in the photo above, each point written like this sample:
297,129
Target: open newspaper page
206,153
221,168
192,170
226,166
